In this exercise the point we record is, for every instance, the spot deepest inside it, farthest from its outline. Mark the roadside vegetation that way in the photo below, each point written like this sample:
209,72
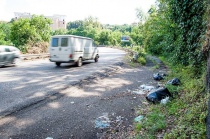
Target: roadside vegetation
183,116
175,32
171,30
34,33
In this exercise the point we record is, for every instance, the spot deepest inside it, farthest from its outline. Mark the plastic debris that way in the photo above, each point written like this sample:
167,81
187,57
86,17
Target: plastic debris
147,87
72,102
174,81
158,95
135,57
164,101
102,121
49,138
140,92
119,118
158,76
139,118
143,89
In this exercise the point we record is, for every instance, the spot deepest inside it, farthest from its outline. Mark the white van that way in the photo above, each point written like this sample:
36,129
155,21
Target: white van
72,49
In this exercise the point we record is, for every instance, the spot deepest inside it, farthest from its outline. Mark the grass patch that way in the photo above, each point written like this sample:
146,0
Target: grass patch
135,50
155,67
141,60
154,121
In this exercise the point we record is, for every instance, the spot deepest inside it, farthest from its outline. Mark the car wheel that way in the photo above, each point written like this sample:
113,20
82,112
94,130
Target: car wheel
57,64
79,62
16,61
96,58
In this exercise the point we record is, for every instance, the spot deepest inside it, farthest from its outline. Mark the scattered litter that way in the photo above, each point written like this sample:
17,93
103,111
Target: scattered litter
113,114
147,87
143,89
134,97
140,92
145,103
102,121
135,57
72,102
128,90
119,118
158,95
158,76
164,101
139,118
49,138
174,81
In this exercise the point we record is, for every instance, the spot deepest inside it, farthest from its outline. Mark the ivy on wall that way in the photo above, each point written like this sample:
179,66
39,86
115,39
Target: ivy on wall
188,16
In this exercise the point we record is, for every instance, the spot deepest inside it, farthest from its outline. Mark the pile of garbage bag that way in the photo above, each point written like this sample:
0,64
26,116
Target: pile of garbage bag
158,76
157,95
162,94
174,81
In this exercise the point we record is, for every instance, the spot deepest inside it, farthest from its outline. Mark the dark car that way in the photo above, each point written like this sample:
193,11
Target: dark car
9,55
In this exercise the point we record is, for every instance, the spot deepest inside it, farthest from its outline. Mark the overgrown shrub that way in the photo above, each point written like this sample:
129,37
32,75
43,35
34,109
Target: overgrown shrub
141,60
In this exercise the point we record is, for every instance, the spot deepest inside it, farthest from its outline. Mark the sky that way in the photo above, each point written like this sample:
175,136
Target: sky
106,11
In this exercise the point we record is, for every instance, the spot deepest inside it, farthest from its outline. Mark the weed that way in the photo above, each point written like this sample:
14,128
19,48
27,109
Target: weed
141,60
152,123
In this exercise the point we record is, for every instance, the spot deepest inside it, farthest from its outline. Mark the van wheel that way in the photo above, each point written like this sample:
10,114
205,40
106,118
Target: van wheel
96,59
57,63
79,62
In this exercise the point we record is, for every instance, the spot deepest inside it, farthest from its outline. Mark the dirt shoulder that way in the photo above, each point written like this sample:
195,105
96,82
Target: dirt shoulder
119,99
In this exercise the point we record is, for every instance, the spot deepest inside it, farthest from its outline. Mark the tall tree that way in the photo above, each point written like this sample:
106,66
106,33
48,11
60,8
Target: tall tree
35,29
42,26
5,33
75,24
140,15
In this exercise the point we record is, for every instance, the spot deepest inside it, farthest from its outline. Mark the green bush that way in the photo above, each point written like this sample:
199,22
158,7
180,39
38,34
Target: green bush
141,60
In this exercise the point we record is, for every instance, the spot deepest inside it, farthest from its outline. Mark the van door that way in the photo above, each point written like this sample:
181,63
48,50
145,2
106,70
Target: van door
59,50
88,49
94,52
64,49
54,49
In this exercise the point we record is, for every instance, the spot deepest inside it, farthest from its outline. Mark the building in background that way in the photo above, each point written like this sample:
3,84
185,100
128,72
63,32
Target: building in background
58,21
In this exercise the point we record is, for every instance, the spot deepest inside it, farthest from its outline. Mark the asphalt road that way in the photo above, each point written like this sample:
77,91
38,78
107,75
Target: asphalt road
42,101
31,81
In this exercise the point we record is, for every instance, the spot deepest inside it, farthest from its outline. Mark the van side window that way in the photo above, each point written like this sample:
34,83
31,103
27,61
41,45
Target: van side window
64,42
94,45
7,50
55,42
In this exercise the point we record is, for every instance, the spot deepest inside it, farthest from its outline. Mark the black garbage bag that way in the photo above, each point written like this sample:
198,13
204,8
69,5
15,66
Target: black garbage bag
174,81
158,95
158,76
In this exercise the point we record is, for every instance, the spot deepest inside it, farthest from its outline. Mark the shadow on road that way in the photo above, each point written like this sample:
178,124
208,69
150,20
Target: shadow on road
71,111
